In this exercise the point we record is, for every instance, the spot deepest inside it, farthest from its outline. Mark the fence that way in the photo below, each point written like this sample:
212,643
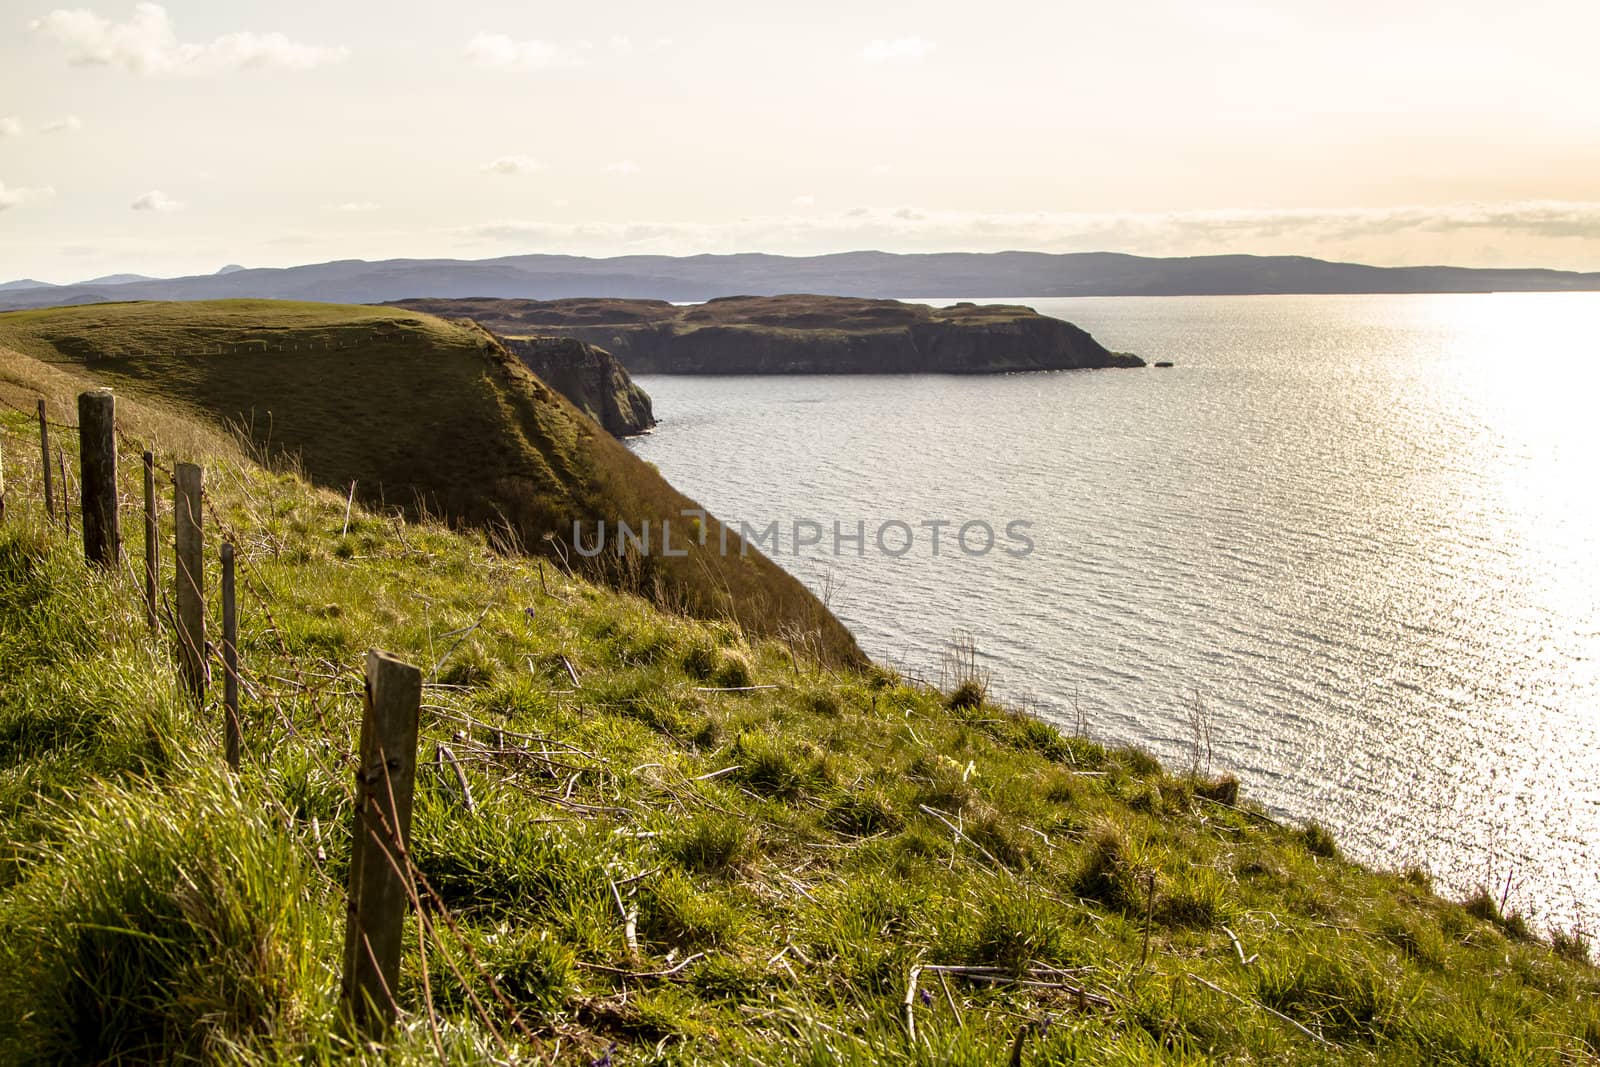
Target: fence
384,882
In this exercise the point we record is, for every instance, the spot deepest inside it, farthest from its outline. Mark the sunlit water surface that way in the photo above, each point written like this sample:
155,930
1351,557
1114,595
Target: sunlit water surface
1362,529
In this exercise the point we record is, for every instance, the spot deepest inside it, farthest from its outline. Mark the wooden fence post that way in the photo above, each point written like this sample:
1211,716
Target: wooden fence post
97,465
152,534
233,737
380,878
44,451
189,566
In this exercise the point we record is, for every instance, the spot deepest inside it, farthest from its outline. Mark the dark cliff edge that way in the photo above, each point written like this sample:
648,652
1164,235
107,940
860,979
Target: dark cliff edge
799,334
591,378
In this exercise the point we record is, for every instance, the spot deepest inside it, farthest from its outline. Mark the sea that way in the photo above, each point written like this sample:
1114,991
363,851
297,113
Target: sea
1346,548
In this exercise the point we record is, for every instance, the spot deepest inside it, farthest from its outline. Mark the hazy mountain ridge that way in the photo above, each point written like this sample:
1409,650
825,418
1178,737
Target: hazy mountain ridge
879,274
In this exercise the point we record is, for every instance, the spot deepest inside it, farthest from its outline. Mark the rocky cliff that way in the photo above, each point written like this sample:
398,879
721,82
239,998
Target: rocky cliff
591,378
799,335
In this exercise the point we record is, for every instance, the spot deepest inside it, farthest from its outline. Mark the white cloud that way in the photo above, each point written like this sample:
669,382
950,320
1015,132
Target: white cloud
356,206
622,166
148,44
899,50
10,127
65,124
805,200
499,51
515,164
156,200
11,196
879,168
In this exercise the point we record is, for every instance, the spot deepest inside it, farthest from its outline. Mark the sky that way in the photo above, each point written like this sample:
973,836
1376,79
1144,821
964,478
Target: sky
175,138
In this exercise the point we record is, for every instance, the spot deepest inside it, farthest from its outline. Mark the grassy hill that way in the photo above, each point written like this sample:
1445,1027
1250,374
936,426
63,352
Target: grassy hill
841,869
430,416
798,333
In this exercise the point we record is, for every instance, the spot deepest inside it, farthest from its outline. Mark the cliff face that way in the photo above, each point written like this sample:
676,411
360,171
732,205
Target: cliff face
591,378
800,335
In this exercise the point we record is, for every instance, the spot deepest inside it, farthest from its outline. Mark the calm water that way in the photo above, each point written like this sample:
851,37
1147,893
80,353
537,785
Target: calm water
1364,530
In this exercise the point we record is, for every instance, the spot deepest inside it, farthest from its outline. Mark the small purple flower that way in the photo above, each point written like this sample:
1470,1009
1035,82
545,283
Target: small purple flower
604,1059
927,998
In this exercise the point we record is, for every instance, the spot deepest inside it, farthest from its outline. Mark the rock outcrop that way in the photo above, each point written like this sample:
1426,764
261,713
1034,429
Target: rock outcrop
799,335
591,378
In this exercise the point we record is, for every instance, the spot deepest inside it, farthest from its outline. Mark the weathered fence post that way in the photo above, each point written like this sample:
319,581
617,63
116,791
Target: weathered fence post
97,465
189,566
379,865
44,452
152,533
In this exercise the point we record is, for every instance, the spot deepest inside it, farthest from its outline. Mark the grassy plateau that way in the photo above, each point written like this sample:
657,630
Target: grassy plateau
623,859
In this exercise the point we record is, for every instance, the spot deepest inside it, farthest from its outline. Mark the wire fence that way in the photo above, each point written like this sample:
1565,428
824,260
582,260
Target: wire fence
319,689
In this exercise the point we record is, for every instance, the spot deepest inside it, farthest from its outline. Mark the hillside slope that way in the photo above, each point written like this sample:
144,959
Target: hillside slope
800,334
626,863
432,417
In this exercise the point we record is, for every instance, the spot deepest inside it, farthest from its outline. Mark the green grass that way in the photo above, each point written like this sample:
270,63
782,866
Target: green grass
430,417
785,858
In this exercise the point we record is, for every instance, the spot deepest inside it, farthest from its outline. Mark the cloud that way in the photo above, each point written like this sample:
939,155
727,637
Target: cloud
879,168
498,51
515,164
899,50
156,200
11,196
10,127
356,206
622,166
805,200
148,44
65,124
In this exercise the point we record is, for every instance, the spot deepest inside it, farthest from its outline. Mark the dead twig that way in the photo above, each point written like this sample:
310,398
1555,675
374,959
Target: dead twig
910,1003
1237,947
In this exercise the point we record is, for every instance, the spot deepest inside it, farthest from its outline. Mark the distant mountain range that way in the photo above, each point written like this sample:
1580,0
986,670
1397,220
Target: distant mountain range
881,274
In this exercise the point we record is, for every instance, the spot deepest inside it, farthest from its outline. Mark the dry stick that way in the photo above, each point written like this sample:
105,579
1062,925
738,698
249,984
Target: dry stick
630,924
1237,947
961,836
189,556
1015,1059
233,737
1312,1034
573,674
97,465
733,688
443,752
910,1003
44,453
961,1023
152,533
668,973
378,891
351,499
